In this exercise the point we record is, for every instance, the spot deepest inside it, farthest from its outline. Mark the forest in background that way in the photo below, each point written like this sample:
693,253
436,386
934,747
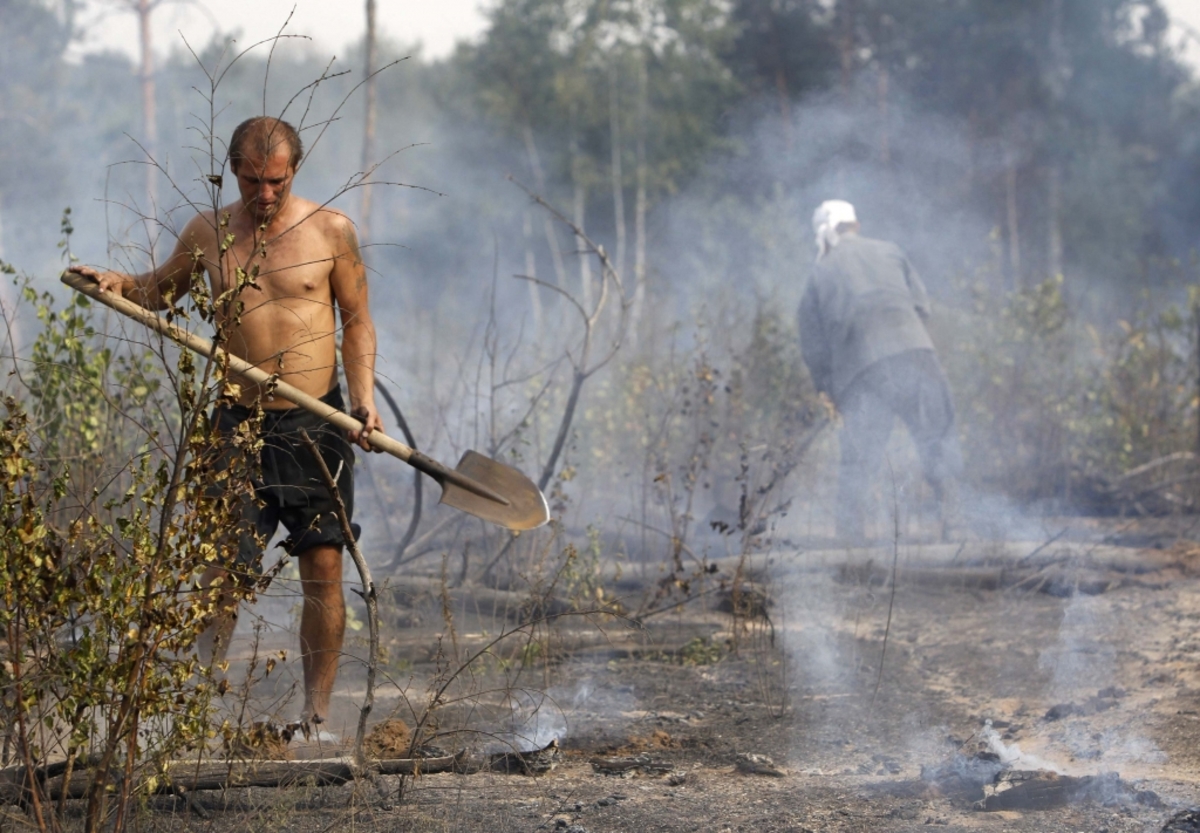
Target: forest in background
1037,159
1041,137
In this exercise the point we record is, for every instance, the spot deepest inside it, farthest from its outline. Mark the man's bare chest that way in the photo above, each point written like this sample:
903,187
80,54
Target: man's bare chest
292,268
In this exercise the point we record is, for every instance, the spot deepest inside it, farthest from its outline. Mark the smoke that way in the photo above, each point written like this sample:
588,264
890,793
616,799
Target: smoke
535,719
567,710
1086,652
1083,653
810,638
468,346
1010,755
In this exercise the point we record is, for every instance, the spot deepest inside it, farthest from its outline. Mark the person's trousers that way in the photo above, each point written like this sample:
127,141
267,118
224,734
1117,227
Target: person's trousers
910,386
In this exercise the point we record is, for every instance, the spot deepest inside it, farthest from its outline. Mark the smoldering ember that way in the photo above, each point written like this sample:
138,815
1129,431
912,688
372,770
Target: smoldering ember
811,391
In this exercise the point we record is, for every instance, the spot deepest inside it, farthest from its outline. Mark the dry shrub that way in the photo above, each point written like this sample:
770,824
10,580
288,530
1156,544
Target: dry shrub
1053,408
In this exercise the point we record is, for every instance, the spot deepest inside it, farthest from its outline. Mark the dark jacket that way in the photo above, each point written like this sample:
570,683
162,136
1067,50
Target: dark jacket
865,302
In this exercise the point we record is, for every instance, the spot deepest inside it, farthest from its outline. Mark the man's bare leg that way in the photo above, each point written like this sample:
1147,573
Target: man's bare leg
322,627
214,642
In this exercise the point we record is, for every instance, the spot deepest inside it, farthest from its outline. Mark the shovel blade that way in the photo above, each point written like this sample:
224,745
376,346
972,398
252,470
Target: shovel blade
526,507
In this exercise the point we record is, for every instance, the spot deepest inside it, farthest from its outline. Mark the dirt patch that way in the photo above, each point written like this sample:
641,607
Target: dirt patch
857,722
390,738
656,741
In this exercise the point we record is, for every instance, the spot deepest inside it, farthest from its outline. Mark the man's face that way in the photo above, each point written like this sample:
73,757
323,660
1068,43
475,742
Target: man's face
265,182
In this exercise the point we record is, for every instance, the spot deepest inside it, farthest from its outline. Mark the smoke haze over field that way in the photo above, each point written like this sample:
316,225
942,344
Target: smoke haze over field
1036,160
722,151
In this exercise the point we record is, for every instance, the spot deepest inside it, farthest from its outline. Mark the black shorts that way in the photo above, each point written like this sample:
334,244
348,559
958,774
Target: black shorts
287,481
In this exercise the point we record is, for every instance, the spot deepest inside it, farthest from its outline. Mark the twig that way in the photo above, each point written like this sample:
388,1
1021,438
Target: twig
411,532
675,539
1040,573
186,795
641,618
887,629
583,371
1042,546
962,546
422,545
1177,457
368,594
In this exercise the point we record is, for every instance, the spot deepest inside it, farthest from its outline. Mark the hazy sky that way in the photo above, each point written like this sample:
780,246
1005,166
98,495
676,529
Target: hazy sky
1187,12
334,23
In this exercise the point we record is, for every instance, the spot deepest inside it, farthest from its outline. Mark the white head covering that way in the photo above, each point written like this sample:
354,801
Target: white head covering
828,216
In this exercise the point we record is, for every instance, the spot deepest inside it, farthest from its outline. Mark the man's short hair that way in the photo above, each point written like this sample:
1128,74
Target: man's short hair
260,136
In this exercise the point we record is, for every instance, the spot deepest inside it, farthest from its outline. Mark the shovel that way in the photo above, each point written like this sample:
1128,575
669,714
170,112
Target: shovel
479,486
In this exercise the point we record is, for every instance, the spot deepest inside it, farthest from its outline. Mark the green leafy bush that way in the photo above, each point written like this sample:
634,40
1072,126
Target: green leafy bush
107,517
1054,408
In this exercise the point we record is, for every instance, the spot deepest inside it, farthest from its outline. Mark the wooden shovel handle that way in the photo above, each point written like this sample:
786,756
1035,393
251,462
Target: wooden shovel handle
243,368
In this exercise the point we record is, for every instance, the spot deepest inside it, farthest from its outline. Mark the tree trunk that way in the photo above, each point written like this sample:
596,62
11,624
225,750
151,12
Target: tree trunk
885,146
1056,83
149,112
539,180
1011,212
8,305
781,84
618,191
847,44
639,210
972,149
846,10
1054,244
535,298
368,147
579,217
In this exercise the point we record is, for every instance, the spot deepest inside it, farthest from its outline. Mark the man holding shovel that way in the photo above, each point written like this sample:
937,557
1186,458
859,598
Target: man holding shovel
862,332
290,267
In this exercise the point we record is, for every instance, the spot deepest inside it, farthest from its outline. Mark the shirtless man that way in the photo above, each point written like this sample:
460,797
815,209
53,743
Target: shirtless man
305,268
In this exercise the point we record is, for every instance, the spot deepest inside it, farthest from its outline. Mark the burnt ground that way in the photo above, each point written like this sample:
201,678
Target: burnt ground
1084,653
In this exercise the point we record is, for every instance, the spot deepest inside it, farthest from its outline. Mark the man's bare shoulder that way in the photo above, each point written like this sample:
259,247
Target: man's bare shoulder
200,223
334,221
340,231
200,232
313,218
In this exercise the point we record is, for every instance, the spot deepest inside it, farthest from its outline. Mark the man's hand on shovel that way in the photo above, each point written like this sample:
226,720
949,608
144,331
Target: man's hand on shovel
371,421
106,281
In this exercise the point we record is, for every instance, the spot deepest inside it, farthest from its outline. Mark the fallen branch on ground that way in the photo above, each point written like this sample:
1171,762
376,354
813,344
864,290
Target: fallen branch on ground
188,776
